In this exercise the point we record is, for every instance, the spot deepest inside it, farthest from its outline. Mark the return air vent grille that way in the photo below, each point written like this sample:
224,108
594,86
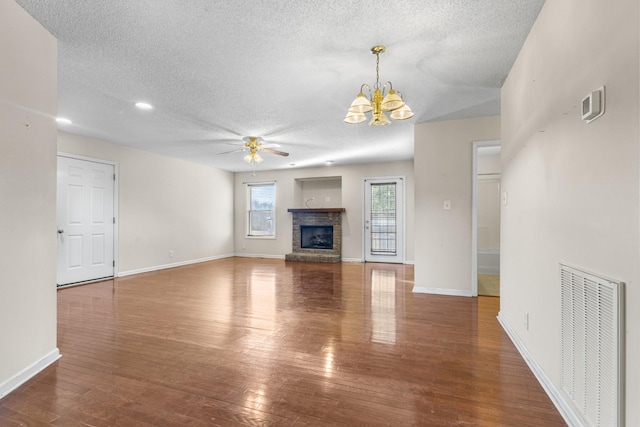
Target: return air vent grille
592,346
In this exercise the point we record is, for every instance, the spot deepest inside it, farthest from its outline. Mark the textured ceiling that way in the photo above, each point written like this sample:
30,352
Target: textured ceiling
286,71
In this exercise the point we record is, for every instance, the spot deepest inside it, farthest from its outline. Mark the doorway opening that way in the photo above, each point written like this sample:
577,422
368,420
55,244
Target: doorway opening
486,218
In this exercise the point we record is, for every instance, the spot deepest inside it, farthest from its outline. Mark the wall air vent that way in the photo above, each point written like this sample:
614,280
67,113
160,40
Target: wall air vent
592,346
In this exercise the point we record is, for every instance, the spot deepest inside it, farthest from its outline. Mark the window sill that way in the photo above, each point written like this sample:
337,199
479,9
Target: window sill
261,237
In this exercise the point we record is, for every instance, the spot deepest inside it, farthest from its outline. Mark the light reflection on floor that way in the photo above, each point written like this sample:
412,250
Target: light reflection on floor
383,306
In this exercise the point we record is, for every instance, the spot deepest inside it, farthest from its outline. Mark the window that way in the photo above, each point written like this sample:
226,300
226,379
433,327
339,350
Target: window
261,221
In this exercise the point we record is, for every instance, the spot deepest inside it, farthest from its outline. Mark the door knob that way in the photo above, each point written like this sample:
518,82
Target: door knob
60,231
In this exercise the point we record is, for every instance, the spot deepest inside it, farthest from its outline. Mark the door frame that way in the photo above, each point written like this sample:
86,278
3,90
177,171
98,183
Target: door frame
474,211
116,209
402,260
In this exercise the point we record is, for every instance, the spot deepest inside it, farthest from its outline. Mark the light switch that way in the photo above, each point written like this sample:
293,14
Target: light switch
504,198
327,199
447,205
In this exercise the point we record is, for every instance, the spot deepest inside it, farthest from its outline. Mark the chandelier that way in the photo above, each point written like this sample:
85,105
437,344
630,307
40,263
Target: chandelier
380,102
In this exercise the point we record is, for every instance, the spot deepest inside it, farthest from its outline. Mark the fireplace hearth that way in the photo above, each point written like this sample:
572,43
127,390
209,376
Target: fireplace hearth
316,235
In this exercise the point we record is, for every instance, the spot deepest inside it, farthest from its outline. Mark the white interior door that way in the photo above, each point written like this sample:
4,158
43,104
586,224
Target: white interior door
384,220
85,220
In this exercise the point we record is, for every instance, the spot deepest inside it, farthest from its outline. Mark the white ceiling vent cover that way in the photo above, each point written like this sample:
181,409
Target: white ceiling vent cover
592,346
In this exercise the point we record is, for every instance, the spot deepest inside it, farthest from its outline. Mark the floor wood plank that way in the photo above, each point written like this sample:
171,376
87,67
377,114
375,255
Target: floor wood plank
262,342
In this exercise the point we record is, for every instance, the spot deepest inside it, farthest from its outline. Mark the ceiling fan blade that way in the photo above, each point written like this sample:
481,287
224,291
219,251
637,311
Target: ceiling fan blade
270,145
272,151
232,151
217,141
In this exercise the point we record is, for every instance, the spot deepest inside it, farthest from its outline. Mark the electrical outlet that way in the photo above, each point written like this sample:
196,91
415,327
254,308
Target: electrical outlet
170,254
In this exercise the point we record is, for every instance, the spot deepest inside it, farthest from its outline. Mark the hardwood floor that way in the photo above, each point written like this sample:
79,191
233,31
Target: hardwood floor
253,342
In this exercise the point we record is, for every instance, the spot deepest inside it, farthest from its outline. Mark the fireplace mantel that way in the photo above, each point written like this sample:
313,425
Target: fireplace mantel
315,210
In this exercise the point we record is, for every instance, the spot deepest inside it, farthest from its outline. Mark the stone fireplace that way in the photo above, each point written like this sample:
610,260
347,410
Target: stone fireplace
317,235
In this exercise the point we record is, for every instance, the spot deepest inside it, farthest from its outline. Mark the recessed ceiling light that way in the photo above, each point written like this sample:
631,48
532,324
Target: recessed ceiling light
292,164
144,106
329,162
63,121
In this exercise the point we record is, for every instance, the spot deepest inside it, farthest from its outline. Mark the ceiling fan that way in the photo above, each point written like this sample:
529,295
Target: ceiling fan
255,144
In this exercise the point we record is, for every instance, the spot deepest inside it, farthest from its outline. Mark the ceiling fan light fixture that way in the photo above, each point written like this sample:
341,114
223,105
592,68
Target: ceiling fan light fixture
253,158
378,102
253,145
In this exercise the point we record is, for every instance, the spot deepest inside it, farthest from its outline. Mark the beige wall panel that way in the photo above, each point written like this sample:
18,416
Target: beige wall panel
573,188
443,169
165,204
27,195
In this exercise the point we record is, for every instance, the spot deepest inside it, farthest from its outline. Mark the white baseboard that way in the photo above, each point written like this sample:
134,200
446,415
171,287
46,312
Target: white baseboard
554,394
176,264
244,255
441,291
362,260
27,373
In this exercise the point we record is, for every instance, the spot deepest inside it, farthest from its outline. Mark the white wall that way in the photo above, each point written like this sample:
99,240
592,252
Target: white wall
352,200
27,197
164,204
573,188
443,169
318,193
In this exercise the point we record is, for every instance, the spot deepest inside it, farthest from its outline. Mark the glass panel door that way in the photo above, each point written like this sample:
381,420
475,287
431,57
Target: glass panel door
383,227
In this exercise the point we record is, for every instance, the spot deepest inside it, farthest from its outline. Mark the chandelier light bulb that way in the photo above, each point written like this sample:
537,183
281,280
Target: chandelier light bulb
392,101
379,119
361,104
355,118
402,113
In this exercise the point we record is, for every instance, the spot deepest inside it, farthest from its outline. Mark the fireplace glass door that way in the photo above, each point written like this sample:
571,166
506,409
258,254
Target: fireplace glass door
316,237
